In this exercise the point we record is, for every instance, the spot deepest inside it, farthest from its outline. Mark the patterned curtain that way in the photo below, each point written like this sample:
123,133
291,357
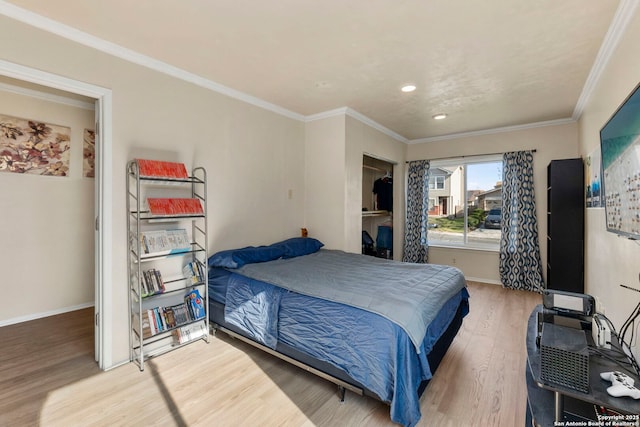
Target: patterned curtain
520,266
416,247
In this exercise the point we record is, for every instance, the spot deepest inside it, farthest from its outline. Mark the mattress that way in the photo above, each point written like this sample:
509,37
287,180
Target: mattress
369,348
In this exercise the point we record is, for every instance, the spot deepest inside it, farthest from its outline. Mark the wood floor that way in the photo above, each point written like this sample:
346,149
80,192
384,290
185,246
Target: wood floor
48,378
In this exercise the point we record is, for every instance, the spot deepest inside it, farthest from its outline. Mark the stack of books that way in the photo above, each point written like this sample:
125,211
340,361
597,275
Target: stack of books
160,169
194,272
162,242
152,282
189,332
161,319
159,206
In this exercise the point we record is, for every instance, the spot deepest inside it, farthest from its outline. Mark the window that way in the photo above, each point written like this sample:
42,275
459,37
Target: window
470,211
436,183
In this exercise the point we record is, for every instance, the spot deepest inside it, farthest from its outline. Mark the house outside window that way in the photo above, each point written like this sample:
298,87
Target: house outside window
462,193
432,204
439,190
436,183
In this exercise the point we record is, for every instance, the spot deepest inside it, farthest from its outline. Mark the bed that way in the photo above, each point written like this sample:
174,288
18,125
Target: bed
374,326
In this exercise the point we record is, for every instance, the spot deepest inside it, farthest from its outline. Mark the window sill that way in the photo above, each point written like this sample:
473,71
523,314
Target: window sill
467,247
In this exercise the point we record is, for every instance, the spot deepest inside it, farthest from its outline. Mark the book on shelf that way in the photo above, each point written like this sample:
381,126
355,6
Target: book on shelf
160,242
163,318
170,317
195,304
194,272
147,332
154,241
178,239
189,332
162,206
161,169
181,313
152,282
155,321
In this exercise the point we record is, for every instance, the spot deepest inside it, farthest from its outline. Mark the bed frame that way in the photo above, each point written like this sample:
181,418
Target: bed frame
326,370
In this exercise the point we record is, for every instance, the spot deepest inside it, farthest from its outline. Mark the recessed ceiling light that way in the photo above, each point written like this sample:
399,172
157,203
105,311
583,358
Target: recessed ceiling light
439,116
408,88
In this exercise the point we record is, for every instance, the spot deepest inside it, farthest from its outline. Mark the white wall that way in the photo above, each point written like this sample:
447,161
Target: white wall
363,139
334,150
253,156
46,249
551,142
325,181
611,260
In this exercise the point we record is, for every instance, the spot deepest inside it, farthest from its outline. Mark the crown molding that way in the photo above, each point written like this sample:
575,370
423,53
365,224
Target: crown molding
372,123
47,96
326,114
515,128
70,33
347,111
624,14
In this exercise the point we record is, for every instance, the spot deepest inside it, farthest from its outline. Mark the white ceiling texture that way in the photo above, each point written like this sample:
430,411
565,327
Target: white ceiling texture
487,64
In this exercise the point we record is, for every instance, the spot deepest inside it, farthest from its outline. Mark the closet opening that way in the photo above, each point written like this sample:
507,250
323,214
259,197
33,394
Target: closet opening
377,207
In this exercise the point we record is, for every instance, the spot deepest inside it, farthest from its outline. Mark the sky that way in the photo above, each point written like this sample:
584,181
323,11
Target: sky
483,176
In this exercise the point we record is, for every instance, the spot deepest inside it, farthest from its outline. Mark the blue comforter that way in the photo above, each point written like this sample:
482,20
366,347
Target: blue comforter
409,295
373,350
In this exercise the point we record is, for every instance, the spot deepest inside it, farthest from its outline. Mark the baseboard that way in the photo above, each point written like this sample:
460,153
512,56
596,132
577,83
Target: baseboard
35,316
490,281
117,365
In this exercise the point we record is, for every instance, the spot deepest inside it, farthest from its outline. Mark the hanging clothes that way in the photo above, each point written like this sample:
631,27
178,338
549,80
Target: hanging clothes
383,189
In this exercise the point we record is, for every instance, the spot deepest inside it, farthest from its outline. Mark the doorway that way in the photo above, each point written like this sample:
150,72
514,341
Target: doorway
377,207
443,206
102,192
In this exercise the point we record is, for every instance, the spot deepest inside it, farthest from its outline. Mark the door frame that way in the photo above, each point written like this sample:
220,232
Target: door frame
103,195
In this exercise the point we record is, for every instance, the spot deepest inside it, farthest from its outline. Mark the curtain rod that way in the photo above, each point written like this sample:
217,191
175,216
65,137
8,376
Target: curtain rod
462,157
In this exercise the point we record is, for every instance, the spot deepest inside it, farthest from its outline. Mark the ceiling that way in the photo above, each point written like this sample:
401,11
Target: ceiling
487,64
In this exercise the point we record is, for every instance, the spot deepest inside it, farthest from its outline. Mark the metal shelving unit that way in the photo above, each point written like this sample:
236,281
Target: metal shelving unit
177,284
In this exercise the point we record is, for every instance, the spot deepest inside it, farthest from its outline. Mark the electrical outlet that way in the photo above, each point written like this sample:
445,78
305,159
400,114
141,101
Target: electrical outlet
454,261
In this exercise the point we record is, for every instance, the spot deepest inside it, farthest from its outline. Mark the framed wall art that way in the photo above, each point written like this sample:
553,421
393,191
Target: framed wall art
33,147
89,154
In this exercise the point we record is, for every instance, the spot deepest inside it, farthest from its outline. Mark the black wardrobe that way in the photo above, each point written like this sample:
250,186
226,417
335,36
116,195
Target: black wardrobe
565,225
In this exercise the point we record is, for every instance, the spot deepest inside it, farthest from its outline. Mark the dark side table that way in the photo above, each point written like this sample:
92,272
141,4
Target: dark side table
549,405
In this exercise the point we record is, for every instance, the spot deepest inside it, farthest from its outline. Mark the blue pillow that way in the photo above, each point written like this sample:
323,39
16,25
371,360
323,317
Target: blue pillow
298,246
259,254
223,259
236,258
